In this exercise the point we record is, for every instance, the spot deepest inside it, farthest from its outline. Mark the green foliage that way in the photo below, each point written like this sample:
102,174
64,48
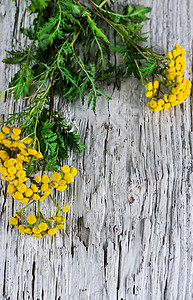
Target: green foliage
53,64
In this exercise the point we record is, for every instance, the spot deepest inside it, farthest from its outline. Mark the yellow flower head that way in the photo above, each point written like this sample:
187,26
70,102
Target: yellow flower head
32,151
18,196
11,189
13,221
36,229
21,228
37,235
34,188
27,140
18,215
39,156
6,129
12,170
66,208
7,143
44,187
35,197
28,193
57,218
73,171
28,230
43,226
42,198
31,219
15,137
16,130
47,192
2,136
22,187
53,184
153,103
60,226
56,176
69,178
24,200
52,231
38,178
65,169
21,173
61,188
62,182
45,178
150,86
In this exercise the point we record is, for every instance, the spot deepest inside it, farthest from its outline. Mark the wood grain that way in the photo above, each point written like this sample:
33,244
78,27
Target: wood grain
129,234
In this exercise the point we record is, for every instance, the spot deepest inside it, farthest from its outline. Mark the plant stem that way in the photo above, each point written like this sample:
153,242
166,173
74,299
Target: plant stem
51,108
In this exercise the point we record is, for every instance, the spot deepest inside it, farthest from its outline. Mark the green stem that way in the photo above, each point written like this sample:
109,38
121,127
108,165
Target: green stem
21,210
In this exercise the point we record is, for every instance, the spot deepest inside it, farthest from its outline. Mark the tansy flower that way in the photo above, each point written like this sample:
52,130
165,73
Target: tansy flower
24,200
39,156
62,220
38,178
68,177
35,197
16,182
27,140
32,151
28,230
15,137
11,189
57,218
34,188
21,228
73,171
16,130
47,192
44,187
53,184
17,195
37,235
35,229
66,208
2,136
65,169
31,219
62,182
51,220
22,187
56,176
45,178
7,143
6,129
13,221
43,226
61,188
28,193
60,226
52,231
21,173
12,170
18,216
42,198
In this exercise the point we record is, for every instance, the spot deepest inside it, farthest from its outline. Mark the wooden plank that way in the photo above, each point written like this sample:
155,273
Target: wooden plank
129,234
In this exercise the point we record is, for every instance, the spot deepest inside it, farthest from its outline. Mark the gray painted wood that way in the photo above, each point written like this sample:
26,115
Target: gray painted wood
129,234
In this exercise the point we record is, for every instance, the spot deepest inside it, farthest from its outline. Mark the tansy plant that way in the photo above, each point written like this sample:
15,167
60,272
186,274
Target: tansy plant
70,48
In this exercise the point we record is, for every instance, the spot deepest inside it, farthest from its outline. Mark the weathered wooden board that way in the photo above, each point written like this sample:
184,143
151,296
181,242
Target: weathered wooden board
129,234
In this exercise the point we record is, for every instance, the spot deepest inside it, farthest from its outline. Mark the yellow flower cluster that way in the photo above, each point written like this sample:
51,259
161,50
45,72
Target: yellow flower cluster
15,157
178,87
39,229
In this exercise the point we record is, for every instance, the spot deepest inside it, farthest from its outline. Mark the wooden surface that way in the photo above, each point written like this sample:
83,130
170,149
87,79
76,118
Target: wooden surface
129,234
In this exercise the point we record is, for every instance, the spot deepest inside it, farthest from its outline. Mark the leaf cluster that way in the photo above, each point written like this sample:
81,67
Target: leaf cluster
60,29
